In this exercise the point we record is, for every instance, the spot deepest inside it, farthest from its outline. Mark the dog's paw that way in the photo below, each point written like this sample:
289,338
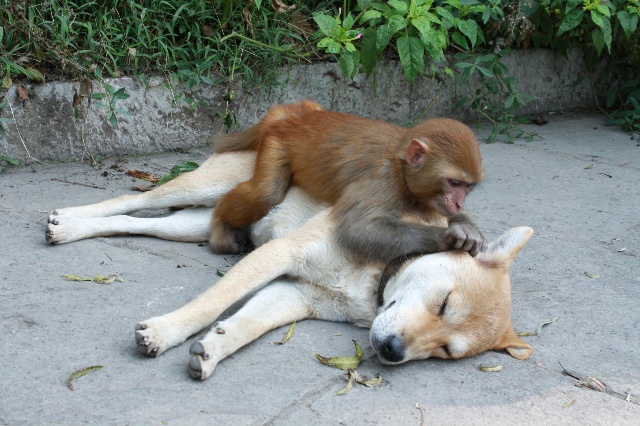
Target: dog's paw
61,230
154,336
204,358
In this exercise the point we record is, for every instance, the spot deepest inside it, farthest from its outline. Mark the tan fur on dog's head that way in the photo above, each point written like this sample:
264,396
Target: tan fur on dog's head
451,305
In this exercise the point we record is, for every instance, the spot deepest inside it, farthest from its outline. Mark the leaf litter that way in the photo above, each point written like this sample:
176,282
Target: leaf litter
343,362
100,279
81,372
287,336
538,331
350,363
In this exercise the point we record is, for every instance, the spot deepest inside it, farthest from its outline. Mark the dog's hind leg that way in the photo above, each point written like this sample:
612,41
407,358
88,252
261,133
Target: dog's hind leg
189,225
203,187
276,305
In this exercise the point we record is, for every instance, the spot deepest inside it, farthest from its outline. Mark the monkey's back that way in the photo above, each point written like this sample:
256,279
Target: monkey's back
329,150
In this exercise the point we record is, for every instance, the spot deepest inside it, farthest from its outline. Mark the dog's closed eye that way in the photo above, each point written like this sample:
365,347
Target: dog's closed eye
446,351
443,308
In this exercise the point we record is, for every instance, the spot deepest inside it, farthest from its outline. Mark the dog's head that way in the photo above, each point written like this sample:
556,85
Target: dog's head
451,305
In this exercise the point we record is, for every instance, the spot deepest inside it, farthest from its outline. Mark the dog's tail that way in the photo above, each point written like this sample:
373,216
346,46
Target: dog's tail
251,137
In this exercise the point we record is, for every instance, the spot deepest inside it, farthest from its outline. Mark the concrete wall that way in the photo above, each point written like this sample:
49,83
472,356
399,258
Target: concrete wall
45,127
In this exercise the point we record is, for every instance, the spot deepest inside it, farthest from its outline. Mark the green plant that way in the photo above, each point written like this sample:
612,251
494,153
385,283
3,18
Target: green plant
177,170
496,97
192,42
8,161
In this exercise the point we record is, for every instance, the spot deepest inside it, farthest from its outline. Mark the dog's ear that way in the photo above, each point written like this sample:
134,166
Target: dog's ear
503,250
514,345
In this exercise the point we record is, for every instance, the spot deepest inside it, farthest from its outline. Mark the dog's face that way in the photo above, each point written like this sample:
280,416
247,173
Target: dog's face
451,305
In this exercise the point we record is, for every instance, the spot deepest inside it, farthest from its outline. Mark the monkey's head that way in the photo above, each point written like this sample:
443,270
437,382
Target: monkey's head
443,164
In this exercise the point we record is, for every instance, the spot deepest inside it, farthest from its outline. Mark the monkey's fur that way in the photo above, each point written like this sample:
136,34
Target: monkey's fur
371,171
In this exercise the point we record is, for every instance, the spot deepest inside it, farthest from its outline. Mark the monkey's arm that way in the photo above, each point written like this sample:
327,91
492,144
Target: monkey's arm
369,225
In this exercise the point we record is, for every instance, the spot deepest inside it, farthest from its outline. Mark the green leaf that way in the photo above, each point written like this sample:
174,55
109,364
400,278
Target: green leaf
347,23
470,29
348,62
34,75
370,14
448,19
398,5
383,37
397,23
598,40
98,96
9,160
327,24
411,51
369,54
597,18
113,120
484,71
571,20
121,94
571,4
330,45
628,22
177,170
258,3
460,40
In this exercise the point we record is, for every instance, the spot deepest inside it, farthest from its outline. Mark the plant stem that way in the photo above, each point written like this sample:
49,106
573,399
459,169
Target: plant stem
281,50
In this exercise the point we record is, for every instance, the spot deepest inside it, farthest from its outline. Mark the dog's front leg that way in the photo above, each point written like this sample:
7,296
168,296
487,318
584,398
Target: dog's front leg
258,268
276,305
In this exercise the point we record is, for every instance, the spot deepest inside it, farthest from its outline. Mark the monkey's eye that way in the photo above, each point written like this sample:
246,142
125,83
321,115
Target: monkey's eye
443,308
455,183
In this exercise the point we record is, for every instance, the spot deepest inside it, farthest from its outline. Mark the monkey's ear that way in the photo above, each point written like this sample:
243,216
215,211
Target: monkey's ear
417,153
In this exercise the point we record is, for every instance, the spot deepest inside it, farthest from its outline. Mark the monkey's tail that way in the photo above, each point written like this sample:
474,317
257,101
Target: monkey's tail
250,138
246,139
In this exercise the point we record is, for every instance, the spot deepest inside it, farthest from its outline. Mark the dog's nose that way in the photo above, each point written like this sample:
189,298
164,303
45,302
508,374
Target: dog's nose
391,349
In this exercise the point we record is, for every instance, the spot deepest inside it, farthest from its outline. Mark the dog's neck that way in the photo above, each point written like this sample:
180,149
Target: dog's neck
390,271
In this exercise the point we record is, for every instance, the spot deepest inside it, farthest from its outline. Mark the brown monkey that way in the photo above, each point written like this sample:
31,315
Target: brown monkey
372,172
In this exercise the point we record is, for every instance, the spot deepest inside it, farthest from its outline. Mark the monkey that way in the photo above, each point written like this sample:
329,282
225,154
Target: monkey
372,172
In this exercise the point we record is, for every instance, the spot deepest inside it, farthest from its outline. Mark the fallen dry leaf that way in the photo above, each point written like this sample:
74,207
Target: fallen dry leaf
279,6
22,92
539,329
149,177
100,279
488,369
569,404
81,372
588,275
351,377
142,188
287,336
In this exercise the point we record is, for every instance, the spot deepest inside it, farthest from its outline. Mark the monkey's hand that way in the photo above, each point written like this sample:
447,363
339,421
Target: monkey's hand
465,236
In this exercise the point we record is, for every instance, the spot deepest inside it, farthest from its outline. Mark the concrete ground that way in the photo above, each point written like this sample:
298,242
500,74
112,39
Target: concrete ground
578,187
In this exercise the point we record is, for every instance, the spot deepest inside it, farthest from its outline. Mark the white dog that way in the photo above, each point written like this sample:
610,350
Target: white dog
444,305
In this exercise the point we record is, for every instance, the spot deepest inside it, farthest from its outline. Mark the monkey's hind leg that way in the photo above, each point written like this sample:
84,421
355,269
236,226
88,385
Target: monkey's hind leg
250,201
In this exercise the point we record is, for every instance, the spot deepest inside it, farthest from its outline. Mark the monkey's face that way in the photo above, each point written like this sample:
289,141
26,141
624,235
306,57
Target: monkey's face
440,187
449,201
451,305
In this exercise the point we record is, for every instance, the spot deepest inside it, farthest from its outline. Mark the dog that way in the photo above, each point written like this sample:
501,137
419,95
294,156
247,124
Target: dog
444,305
